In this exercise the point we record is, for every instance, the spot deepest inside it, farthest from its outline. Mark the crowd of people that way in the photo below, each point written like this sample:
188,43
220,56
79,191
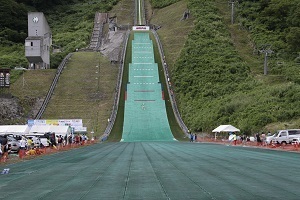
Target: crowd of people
193,137
235,139
29,146
258,138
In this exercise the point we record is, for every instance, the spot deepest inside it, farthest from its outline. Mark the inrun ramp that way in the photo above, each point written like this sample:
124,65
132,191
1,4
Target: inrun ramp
145,117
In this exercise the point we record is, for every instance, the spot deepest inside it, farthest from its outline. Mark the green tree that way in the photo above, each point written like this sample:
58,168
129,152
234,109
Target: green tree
292,39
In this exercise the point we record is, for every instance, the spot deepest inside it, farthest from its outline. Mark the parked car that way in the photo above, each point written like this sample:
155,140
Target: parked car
14,144
286,136
270,139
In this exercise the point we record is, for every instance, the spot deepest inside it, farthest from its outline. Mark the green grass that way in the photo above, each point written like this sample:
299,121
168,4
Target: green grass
173,32
243,43
124,12
30,89
85,91
33,83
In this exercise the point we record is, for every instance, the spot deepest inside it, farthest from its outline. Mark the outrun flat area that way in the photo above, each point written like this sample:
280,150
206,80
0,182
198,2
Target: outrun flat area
156,170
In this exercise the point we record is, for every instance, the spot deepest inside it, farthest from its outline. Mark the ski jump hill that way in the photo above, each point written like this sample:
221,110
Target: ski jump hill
145,117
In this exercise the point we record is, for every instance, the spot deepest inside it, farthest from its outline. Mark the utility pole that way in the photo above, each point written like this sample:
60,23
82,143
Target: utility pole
232,2
266,50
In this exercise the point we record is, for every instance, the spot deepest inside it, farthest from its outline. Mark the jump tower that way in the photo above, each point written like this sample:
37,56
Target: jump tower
38,42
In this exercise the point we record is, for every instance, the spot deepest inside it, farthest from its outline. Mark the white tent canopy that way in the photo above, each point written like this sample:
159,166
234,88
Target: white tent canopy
14,129
225,128
42,129
3,129
60,130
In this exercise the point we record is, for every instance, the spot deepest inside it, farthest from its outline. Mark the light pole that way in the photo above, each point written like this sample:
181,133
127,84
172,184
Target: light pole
92,132
98,76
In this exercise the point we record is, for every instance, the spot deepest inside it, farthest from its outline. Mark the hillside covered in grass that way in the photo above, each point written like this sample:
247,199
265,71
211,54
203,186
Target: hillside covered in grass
219,80
85,90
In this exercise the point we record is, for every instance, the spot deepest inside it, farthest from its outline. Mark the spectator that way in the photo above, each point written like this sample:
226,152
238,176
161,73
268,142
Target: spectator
53,140
263,138
22,147
258,140
243,140
191,137
234,138
59,141
70,140
29,143
77,139
3,142
80,139
4,148
65,140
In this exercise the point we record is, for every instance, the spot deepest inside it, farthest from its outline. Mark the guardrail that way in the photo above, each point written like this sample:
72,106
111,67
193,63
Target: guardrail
167,77
52,87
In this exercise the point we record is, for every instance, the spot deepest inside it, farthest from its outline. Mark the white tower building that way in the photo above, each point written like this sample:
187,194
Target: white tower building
38,42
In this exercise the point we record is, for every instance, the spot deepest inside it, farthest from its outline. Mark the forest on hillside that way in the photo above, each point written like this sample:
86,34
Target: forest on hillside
13,17
218,82
214,85
71,22
276,22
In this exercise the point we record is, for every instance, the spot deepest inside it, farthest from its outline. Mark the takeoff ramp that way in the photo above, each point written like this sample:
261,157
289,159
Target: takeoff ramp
145,117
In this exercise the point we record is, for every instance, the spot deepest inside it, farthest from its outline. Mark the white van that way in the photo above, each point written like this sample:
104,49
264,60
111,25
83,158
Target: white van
286,136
